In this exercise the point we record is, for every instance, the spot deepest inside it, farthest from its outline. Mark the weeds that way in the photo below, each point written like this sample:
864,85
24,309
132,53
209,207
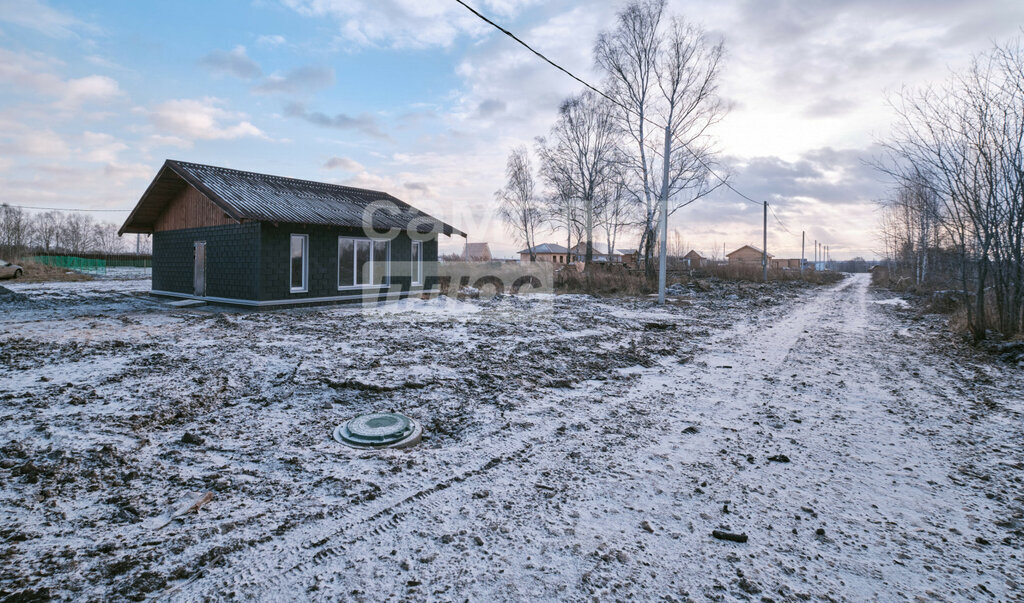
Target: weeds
34,272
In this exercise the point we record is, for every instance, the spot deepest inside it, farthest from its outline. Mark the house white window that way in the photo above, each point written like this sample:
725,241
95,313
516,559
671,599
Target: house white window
299,263
363,262
417,262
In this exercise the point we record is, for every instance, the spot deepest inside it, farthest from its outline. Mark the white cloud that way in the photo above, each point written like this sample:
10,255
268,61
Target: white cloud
271,40
33,73
66,184
30,72
344,164
92,88
157,140
36,15
36,142
202,119
404,23
101,148
122,173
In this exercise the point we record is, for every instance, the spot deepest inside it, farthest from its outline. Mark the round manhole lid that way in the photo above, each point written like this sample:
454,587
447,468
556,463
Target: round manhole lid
378,429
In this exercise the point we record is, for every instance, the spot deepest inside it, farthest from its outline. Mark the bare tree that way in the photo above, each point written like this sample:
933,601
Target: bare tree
519,206
911,226
563,210
14,231
963,140
47,229
615,210
663,71
579,158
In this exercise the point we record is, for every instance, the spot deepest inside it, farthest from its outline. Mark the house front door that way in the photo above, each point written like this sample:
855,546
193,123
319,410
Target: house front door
199,273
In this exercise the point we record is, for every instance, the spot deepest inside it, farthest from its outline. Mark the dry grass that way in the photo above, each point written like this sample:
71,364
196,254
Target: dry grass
610,281
958,316
34,272
755,274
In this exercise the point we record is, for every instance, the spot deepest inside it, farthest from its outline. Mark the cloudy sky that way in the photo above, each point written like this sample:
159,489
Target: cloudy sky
421,99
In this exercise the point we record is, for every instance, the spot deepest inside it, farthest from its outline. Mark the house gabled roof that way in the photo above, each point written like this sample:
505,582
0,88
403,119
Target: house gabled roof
477,249
730,254
546,248
694,254
264,198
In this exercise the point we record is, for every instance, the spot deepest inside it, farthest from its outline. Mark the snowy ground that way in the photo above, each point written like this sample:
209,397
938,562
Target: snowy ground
576,448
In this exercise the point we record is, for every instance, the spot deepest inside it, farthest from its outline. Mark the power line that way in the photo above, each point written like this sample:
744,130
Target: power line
61,208
508,33
772,209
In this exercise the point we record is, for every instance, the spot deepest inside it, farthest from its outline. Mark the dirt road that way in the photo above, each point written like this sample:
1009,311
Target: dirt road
576,448
902,480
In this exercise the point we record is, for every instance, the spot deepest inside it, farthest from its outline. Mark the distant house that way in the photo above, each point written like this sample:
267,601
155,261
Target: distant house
546,252
477,252
785,264
748,255
629,256
694,259
579,253
251,239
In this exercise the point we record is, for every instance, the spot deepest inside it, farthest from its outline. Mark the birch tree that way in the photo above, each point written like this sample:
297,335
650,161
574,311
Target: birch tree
665,71
519,206
579,157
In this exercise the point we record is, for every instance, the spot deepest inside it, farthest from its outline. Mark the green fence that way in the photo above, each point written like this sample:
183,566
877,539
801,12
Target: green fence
128,261
73,263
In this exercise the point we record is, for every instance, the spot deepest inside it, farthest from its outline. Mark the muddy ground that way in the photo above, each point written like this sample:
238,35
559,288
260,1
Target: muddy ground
574,448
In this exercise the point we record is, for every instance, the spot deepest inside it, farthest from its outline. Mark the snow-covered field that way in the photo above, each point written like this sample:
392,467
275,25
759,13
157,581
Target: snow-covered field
575,449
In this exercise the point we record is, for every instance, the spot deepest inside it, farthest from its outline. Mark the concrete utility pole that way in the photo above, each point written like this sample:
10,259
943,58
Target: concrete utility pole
803,243
662,263
764,243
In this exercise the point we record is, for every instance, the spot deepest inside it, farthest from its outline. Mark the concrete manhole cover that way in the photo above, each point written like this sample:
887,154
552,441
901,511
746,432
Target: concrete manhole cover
379,430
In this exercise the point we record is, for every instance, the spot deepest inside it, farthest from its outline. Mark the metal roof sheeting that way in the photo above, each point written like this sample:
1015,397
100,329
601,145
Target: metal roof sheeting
546,248
265,198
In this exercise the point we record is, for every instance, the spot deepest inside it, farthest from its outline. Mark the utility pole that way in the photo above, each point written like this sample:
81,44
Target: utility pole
764,243
803,243
662,263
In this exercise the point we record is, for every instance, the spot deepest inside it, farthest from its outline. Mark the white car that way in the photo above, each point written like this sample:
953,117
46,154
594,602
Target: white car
9,270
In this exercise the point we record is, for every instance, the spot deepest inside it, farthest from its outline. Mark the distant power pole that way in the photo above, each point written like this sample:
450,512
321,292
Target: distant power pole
764,243
803,243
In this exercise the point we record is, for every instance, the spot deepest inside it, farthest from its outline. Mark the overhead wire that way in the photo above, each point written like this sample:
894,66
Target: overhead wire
60,208
779,220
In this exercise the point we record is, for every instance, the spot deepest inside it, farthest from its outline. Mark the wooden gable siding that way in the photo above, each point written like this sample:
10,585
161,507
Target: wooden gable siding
190,209
745,255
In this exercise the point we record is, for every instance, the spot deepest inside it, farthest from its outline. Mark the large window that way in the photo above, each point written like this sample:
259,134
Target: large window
300,263
363,262
417,262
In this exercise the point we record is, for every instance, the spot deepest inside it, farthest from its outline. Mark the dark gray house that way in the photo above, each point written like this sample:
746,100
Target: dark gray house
250,239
